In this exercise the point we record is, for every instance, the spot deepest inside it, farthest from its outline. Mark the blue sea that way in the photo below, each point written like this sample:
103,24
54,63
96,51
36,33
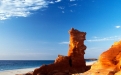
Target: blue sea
22,64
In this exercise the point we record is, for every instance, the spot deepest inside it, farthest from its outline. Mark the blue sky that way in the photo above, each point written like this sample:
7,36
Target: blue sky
38,29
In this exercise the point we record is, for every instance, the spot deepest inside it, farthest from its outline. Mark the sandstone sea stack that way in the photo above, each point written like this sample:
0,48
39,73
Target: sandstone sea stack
109,62
72,63
77,49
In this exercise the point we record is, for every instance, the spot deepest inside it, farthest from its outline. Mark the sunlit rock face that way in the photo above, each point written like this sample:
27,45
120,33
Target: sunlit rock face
77,48
72,63
109,62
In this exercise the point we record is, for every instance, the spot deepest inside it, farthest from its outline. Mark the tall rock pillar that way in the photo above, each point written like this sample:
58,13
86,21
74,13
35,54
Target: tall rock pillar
67,65
77,48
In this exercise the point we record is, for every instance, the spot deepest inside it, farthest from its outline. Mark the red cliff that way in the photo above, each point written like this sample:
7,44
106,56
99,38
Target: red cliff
109,62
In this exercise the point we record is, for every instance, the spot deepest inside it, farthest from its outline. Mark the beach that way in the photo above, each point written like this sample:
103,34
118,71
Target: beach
26,70
17,71
90,63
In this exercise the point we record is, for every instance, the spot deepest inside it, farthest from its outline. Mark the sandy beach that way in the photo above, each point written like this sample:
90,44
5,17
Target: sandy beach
16,72
90,63
23,71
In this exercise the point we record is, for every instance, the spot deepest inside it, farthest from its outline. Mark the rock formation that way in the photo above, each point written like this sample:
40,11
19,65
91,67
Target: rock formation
72,63
77,49
109,62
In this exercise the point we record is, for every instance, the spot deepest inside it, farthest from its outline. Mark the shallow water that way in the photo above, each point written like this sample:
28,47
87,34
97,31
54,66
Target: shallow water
22,64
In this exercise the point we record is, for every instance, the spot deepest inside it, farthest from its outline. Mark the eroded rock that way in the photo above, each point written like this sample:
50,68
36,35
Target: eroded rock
72,63
77,48
109,62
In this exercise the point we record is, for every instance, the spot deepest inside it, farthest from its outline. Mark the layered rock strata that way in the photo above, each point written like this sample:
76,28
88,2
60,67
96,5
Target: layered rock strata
109,62
77,49
72,63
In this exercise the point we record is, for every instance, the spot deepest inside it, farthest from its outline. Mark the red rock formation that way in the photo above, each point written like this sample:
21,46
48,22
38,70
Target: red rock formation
109,62
66,65
77,48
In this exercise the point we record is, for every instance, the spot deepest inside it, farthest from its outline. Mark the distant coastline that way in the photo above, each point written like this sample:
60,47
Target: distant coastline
90,59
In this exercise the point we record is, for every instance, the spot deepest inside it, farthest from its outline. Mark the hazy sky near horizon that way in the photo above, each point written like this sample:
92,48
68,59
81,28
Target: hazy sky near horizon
38,29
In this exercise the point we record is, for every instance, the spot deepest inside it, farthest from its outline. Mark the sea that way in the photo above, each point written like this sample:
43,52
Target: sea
22,64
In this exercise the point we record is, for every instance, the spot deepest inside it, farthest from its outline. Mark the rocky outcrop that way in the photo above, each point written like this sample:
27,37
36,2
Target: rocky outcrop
109,62
77,48
72,63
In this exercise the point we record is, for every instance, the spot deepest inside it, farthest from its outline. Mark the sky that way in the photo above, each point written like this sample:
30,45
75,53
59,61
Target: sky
38,29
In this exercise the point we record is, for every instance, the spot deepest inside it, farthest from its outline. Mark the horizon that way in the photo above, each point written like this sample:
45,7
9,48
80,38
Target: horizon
38,29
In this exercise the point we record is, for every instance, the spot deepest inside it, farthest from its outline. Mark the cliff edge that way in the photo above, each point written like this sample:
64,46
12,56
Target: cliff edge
109,62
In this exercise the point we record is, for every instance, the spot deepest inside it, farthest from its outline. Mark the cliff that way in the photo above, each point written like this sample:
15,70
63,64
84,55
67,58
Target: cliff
72,63
109,62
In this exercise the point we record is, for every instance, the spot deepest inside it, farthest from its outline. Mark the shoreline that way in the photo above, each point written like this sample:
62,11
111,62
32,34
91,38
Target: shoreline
90,63
17,71
26,70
